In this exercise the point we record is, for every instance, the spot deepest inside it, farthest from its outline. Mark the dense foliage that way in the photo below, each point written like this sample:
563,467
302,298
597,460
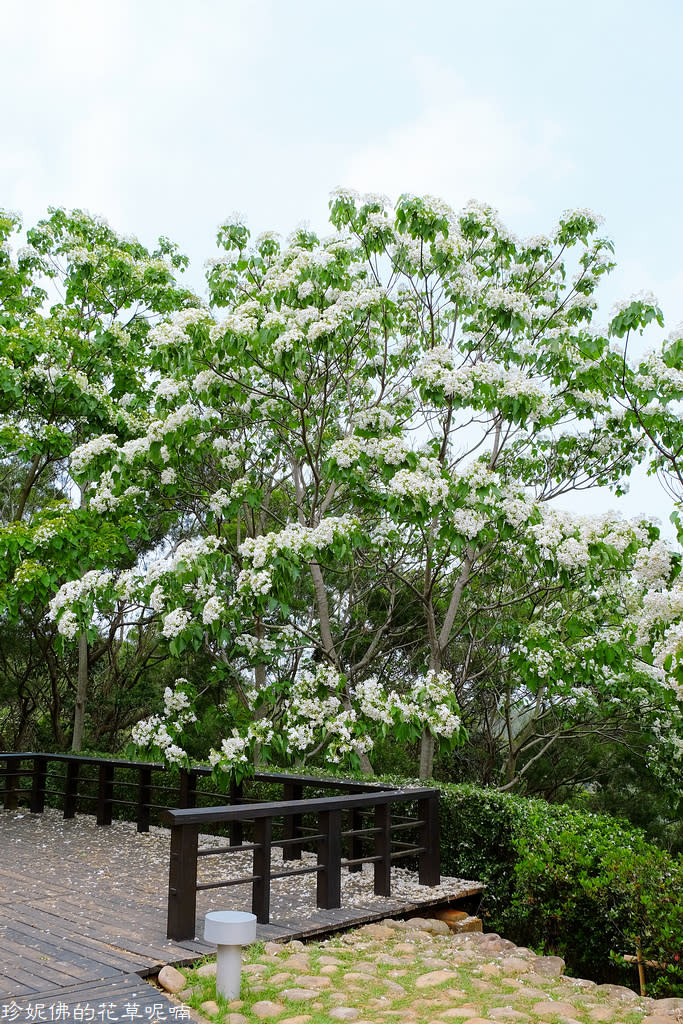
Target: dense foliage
326,500
563,881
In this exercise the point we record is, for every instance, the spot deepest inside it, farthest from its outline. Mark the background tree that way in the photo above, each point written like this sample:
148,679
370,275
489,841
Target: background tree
76,305
380,421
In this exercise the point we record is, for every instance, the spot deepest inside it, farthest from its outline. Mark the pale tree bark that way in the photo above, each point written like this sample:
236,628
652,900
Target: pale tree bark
82,680
438,642
81,693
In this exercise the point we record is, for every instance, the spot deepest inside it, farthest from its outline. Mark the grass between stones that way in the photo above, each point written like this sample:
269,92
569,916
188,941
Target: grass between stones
377,974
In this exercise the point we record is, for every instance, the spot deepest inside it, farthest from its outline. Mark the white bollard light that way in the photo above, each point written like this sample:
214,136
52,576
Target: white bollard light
230,930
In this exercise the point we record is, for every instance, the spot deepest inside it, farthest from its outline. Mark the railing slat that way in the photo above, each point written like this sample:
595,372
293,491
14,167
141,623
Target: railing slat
182,882
188,820
383,850
38,785
260,893
73,769
429,865
328,890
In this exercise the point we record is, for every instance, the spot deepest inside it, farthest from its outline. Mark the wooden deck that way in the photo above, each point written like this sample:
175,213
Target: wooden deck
83,909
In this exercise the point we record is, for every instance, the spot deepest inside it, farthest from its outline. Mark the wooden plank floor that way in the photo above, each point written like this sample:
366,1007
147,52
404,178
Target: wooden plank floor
82,907
123,998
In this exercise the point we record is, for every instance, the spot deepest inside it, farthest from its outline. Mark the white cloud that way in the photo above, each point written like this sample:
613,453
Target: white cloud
461,145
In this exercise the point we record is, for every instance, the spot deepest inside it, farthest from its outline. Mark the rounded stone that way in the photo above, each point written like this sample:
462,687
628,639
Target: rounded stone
266,1008
207,970
554,1008
620,992
313,981
514,965
435,978
548,966
298,995
171,979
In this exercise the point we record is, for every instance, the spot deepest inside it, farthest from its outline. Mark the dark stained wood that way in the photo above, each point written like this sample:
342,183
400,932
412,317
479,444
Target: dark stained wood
38,785
182,881
107,1001
50,938
260,894
329,861
84,920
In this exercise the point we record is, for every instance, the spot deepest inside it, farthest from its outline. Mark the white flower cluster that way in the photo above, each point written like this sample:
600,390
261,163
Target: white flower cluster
212,611
257,582
429,704
391,450
175,622
653,565
660,607
315,710
168,388
174,333
420,484
76,592
565,538
647,299
655,375
163,731
467,522
467,382
671,647
295,538
83,455
237,748
255,647
517,511
340,312
203,381
375,418
541,660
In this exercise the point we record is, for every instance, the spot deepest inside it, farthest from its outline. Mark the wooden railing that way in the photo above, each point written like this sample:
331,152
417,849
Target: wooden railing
335,827
137,790
186,825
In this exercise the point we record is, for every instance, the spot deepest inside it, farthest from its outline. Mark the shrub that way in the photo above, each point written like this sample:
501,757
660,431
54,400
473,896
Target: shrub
581,885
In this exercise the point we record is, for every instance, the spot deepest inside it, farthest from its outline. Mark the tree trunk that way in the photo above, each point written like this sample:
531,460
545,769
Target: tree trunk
426,755
81,693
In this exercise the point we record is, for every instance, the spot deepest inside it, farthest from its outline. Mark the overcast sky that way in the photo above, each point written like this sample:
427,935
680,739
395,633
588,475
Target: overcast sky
164,116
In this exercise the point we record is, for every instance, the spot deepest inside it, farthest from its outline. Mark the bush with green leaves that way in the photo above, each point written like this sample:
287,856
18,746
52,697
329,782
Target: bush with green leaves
563,881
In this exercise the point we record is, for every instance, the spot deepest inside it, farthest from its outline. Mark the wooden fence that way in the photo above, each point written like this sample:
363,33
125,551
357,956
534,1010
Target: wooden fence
355,824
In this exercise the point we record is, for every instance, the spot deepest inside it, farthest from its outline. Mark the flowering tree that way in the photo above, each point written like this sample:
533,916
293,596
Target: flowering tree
75,307
363,423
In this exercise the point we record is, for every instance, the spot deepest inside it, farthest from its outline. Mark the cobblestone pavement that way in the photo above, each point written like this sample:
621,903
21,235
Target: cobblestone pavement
403,972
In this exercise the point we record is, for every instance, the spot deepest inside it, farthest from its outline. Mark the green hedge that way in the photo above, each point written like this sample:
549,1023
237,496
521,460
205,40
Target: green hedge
581,885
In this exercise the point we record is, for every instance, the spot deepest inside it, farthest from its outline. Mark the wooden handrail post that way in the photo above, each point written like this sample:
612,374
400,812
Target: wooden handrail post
236,826
182,882
38,785
73,768
260,892
292,822
356,844
11,799
429,865
188,788
383,850
105,792
144,798
328,890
